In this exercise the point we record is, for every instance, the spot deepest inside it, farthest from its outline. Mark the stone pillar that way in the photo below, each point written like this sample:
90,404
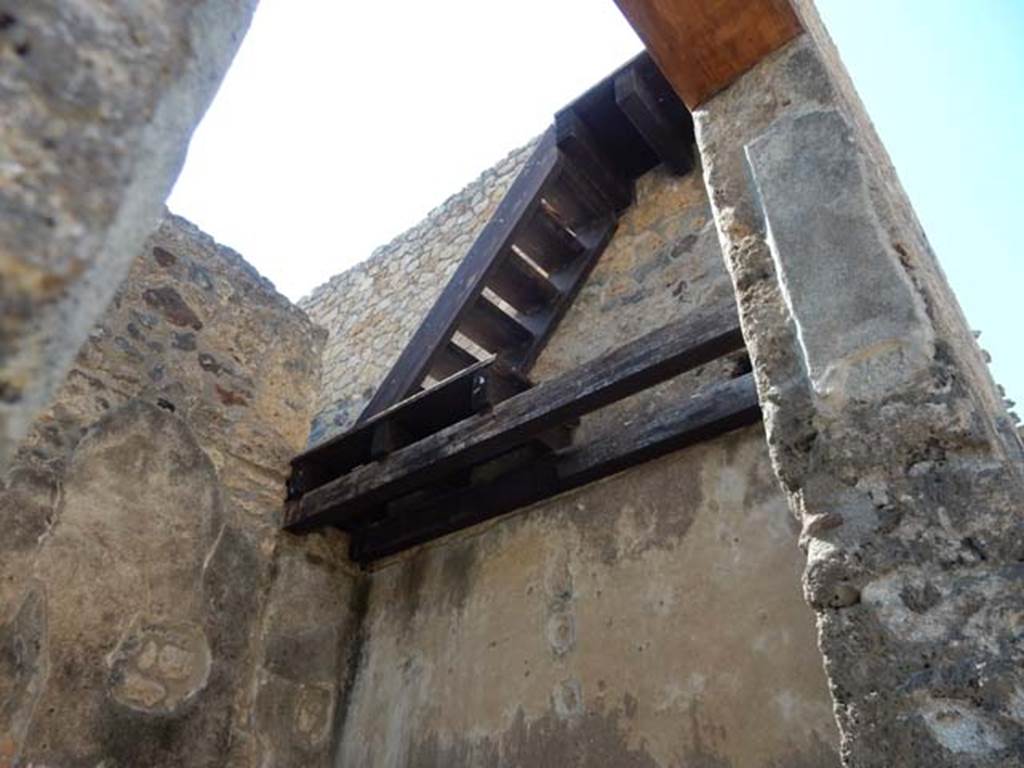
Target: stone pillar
884,425
99,100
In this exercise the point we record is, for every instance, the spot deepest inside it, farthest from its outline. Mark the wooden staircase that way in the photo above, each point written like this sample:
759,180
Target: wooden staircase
456,432
524,270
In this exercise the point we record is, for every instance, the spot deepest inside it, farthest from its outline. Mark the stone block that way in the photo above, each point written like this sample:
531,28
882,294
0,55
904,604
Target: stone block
862,328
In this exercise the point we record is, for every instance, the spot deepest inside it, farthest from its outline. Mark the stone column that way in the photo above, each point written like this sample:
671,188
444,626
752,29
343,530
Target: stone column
884,425
99,100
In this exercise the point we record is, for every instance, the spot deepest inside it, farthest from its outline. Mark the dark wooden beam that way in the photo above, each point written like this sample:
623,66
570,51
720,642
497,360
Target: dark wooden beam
493,328
703,46
638,103
577,142
719,409
522,285
472,390
469,279
651,359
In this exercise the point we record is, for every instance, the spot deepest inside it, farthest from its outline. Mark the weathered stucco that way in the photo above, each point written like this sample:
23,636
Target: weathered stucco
653,619
150,611
100,99
884,425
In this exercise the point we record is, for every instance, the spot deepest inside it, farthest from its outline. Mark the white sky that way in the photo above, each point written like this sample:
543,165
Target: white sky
342,124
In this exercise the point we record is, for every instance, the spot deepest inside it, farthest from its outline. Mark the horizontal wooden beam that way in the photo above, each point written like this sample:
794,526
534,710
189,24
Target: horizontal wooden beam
703,46
649,360
719,409
471,390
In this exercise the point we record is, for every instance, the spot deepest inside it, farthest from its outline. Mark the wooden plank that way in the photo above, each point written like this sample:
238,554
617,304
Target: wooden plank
649,360
474,389
613,133
719,409
449,360
469,279
547,242
493,328
640,105
573,200
703,46
522,285
577,142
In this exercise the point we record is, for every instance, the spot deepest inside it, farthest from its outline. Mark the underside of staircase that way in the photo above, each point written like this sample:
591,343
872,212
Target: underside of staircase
457,432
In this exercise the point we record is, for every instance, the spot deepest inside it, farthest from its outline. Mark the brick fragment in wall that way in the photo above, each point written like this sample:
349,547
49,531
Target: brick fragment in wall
147,597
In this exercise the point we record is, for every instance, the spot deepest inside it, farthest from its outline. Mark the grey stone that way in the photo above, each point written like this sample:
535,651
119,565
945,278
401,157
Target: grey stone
22,668
861,326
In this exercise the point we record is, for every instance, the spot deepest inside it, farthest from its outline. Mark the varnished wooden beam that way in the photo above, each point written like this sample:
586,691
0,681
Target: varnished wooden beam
703,46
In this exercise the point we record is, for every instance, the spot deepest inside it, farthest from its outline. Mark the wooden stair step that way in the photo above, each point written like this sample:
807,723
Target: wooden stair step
493,328
577,143
671,140
547,241
573,201
522,285
568,280
449,360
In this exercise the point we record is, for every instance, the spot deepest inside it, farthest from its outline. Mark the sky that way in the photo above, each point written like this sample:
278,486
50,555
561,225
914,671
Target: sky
340,125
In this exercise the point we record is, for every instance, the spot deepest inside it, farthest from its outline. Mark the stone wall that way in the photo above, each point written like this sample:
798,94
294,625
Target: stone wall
884,425
373,309
100,99
654,619
151,613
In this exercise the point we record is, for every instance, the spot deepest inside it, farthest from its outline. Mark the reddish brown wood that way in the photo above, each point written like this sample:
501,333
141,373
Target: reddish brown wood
703,46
